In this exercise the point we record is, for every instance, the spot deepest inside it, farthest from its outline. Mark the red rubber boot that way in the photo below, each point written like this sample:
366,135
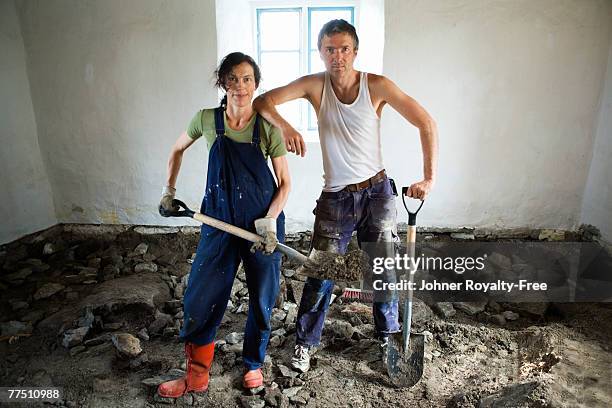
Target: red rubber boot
199,359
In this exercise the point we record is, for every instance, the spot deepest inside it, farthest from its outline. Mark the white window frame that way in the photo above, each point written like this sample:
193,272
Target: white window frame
305,7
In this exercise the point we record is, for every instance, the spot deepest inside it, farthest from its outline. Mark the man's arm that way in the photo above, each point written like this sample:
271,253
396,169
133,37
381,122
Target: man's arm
410,109
266,104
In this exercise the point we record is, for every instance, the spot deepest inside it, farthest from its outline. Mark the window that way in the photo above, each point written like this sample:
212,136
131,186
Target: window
287,49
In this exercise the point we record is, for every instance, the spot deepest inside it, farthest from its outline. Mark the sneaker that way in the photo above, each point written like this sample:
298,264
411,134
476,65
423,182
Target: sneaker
301,358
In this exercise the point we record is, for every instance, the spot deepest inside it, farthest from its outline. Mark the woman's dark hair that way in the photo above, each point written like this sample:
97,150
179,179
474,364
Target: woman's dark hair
225,68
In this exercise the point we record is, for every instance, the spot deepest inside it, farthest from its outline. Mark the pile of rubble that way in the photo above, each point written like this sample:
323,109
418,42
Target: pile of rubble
104,309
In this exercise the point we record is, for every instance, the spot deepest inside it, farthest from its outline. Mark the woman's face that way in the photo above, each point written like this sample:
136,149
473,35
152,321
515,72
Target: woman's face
240,85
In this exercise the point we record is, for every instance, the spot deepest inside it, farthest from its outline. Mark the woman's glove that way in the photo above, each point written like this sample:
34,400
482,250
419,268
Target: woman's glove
166,208
266,228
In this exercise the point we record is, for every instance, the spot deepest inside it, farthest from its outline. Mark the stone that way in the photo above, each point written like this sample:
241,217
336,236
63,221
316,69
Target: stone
141,249
291,391
47,290
292,311
48,249
98,340
471,308
499,260
18,304
74,337
510,315
76,350
497,319
161,321
142,292
234,338
126,344
341,328
20,275
444,309
146,267
14,327
462,236
252,401
286,371
143,334
551,235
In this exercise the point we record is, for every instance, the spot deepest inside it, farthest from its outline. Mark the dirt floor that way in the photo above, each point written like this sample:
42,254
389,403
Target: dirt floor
97,310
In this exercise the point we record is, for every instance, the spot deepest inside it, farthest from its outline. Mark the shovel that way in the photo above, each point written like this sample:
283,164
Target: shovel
406,351
229,228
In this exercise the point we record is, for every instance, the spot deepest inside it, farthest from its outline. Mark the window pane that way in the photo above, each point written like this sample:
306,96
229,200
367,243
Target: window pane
320,17
277,69
279,30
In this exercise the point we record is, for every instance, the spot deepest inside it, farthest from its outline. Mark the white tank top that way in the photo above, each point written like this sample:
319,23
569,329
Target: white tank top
350,137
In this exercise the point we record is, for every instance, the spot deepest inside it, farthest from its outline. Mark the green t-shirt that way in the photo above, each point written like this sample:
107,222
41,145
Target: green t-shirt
271,144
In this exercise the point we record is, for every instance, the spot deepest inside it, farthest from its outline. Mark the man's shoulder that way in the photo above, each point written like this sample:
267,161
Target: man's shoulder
376,80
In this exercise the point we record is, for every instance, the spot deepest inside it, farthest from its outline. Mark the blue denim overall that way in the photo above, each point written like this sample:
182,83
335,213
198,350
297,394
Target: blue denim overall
239,189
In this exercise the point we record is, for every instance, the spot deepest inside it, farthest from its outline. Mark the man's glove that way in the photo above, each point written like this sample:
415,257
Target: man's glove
165,205
266,228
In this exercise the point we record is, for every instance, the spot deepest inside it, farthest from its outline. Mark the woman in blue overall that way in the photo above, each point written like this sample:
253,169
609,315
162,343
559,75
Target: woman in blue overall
240,190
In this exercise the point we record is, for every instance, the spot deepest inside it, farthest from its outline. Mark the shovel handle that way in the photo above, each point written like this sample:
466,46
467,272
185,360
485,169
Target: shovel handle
230,229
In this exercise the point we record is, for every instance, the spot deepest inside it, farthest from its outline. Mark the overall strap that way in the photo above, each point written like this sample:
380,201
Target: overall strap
219,125
255,140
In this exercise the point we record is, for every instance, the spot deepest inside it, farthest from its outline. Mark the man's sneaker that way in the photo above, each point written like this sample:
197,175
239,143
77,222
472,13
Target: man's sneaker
301,358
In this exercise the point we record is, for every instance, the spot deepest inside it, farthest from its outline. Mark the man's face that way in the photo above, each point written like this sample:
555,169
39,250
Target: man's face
338,53
240,85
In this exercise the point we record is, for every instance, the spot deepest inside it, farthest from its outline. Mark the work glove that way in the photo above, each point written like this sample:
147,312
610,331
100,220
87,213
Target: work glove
266,228
166,208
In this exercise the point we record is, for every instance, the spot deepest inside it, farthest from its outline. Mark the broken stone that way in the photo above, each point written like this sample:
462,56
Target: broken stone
141,249
97,340
444,309
48,249
143,334
551,235
13,327
234,338
257,390
291,392
471,308
48,290
146,267
126,344
159,324
510,315
288,273
276,341
73,337
252,401
19,276
500,261
76,350
497,319
18,304
463,236
113,326
287,372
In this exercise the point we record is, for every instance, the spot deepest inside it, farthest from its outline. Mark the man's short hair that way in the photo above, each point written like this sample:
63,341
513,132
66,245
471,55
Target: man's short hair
337,27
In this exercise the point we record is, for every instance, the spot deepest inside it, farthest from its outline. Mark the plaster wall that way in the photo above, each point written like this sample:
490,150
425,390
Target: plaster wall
26,205
114,83
597,203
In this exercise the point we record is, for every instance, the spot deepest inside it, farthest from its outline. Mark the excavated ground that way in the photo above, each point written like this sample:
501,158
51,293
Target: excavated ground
97,310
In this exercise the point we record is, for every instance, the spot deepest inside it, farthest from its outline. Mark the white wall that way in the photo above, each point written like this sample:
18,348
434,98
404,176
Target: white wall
597,204
113,84
26,205
515,88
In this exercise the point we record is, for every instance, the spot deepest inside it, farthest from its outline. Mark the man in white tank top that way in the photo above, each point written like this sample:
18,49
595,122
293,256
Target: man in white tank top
357,195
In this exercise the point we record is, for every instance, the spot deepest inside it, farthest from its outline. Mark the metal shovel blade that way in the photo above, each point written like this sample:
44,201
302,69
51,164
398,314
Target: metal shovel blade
405,366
